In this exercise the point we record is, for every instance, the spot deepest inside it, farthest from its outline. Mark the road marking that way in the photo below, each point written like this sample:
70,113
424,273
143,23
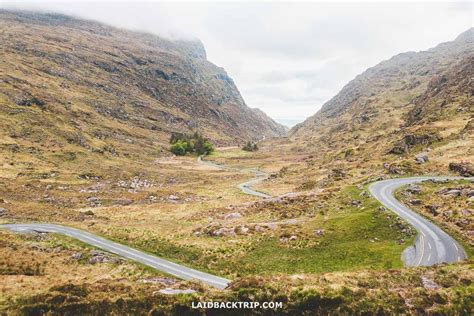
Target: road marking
455,246
429,245
429,257
459,258
422,250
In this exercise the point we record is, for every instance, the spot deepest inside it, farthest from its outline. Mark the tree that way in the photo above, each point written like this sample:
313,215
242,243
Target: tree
179,148
250,146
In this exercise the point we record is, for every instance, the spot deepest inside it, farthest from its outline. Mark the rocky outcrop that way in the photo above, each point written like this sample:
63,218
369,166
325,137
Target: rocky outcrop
464,169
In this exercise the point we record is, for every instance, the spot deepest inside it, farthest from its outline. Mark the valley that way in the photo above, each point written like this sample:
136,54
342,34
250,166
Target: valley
98,216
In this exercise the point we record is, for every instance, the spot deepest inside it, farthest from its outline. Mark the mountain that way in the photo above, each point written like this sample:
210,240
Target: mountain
71,81
414,103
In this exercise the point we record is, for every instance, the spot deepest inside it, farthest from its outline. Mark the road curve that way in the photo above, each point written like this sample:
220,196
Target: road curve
169,267
432,245
245,187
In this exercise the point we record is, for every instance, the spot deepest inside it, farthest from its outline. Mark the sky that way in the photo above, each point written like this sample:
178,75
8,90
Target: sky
287,58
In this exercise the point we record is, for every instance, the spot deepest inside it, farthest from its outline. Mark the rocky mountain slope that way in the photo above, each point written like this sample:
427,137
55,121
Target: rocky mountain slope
70,81
412,113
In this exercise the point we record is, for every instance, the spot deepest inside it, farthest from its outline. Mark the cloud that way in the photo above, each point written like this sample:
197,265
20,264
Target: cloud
286,58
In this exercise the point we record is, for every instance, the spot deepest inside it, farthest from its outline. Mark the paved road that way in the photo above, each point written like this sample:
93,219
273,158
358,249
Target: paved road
432,245
245,187
177,270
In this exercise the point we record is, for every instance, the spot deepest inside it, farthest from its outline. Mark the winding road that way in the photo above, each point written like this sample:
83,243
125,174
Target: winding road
166,266
245,187
432,246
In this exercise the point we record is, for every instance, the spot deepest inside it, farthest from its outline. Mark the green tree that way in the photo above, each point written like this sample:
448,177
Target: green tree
179,148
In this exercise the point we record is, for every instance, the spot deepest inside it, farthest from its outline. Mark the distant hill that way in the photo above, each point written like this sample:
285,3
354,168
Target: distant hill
407,105
71,82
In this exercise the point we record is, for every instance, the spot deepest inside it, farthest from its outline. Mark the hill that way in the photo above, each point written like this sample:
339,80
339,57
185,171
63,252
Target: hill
416,103
103,89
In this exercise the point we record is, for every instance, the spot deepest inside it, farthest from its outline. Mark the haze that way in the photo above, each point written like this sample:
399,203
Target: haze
286,58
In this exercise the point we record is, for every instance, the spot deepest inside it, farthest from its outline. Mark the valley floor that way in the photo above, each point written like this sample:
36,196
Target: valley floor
195,215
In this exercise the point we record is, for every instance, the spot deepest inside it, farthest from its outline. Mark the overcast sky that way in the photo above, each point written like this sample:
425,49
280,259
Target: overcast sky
287,58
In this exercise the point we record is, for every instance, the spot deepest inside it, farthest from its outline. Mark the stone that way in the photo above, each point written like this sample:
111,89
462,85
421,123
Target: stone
429,284
421,158
414,189
433,209
233,216
77,256
414,202
164,281
224,231
3,211
169,291
173,197
465,169
319,232
293,237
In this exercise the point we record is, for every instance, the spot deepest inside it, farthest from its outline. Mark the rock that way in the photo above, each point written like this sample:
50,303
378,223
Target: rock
414,189
452,192
448,213
169,291
77,256
123,202
101,257
411,140
164,281
224,231
94,201
242,230
319,232
429,284
465,169
421,158
433,209
292,237
414,202
89,213
356,203
465,212
468,192
3,211
173,197
232,216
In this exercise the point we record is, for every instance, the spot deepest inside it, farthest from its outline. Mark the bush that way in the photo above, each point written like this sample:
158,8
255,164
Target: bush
250,146
179,148
182,144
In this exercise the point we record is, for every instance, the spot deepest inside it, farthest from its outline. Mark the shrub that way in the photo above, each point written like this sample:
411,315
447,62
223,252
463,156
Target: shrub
250,146
179,148
182,144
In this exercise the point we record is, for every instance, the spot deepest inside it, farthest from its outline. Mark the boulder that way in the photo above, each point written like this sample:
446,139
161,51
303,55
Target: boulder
233,215
169,291
465,169
414,189
421,158
3,211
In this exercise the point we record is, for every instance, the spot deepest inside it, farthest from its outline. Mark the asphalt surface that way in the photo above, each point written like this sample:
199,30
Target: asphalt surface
432,245
169,267
245,187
